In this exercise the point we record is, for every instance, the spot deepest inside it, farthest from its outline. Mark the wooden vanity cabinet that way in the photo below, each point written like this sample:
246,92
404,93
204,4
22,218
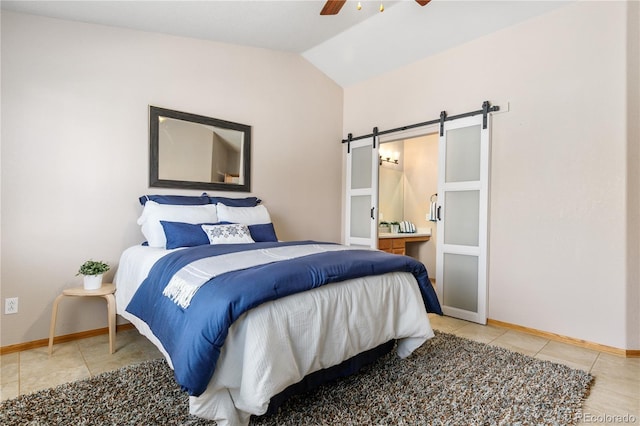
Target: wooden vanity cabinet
392,245
397,245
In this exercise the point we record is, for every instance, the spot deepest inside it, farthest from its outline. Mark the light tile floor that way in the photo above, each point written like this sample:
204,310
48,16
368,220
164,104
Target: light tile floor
32,370
614,397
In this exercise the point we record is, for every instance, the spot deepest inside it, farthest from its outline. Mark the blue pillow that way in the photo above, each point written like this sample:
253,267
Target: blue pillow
263,232
182,200
180,234
235,202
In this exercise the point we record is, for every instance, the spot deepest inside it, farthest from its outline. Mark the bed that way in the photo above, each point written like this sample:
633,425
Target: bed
243,318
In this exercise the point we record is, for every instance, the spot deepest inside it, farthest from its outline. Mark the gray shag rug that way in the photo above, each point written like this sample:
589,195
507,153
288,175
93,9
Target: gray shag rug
447,381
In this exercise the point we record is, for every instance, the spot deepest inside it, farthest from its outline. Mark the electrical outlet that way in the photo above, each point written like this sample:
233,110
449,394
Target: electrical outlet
11,305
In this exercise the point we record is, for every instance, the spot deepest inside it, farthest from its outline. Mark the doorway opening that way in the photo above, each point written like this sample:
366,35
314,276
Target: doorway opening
405,190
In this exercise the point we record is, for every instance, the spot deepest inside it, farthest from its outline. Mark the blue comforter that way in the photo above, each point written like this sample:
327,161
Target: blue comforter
193,337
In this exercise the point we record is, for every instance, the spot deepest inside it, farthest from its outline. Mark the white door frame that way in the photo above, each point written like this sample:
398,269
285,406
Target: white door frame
371,213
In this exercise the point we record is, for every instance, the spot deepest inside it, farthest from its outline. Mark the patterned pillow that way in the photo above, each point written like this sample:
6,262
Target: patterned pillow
228,234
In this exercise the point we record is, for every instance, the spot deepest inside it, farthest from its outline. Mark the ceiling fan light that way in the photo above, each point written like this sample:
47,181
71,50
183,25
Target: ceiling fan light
381,7
359,6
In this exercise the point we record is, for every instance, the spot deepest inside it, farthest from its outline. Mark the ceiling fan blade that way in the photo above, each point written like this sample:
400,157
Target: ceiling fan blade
422,2
332,7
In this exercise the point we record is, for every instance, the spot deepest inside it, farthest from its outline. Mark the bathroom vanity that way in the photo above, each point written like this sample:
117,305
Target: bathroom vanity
396,243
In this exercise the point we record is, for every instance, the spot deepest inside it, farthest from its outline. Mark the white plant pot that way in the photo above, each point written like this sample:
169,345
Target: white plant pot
92,282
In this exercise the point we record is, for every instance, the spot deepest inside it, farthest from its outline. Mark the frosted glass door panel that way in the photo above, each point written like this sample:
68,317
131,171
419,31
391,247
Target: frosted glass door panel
361,201
463,194
461,282
361,216
463,154
361,168
461,217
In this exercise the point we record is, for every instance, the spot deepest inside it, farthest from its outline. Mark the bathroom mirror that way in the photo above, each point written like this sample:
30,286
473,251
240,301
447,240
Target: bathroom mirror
391,195
198,152
391,182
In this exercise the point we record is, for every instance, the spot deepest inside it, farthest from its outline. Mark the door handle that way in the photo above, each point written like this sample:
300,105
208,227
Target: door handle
438,213
372,210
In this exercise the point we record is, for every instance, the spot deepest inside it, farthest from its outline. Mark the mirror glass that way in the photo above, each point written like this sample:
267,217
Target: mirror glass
391,182
198,152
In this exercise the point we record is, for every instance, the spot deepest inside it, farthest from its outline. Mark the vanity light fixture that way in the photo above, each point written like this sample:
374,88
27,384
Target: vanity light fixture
386,157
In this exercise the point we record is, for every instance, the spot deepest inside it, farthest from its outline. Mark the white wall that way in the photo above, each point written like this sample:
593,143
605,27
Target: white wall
558,192
633,174
75,148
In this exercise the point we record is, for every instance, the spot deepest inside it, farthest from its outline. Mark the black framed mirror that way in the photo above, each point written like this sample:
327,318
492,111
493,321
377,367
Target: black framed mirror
197,152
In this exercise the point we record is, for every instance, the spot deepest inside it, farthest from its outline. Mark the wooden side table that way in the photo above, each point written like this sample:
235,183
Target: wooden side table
105,291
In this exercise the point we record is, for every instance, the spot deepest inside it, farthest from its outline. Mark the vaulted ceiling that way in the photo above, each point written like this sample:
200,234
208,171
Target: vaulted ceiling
349,47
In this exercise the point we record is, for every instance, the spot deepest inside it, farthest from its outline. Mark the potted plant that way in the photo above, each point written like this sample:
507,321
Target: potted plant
395,227
92,271
383,227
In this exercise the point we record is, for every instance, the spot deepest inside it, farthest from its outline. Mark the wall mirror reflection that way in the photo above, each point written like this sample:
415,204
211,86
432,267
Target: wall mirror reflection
391,182
198,152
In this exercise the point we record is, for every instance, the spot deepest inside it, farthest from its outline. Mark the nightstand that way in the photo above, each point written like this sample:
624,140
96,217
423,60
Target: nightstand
105,291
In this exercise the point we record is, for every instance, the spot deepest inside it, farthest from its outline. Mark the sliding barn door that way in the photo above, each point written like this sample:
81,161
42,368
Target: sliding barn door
463,202
361,223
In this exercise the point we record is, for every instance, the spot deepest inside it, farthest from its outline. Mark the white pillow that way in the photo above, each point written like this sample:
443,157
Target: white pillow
153,213
246,215
228,234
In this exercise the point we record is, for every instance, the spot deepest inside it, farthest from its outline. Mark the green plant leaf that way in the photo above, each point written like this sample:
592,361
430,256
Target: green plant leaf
93,267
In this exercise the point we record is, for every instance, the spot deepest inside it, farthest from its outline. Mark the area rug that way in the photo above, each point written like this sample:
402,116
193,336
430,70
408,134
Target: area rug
448,381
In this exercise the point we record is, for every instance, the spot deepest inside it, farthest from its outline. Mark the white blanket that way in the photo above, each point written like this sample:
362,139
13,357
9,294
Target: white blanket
187,281
276,344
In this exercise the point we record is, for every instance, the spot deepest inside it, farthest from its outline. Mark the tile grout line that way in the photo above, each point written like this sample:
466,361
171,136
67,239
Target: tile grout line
543,346
84,359
594,362
19,375
499,336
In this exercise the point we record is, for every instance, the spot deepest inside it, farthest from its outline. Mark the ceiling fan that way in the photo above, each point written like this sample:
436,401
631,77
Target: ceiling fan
332,7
